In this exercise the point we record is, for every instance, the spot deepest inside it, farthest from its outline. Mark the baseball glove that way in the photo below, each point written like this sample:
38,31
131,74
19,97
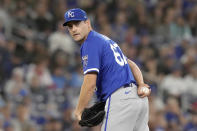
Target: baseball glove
93,116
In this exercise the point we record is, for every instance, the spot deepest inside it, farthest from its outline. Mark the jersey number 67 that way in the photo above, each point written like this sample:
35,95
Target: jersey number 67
119,56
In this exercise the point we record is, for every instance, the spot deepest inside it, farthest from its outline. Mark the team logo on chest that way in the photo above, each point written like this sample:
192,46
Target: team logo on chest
85,60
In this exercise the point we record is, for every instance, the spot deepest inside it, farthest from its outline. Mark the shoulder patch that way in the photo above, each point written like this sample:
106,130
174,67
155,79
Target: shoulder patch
85,60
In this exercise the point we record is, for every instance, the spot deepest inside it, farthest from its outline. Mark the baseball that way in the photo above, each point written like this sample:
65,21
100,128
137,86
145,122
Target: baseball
145,90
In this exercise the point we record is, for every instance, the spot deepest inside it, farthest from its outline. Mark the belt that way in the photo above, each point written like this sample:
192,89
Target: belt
128,85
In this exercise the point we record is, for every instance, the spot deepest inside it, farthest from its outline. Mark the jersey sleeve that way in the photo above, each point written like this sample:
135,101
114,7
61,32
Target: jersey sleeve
91,57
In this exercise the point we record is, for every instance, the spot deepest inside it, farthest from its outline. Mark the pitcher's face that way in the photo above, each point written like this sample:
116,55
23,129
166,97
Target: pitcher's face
79,30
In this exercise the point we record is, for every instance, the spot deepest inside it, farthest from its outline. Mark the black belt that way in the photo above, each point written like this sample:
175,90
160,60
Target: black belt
128,85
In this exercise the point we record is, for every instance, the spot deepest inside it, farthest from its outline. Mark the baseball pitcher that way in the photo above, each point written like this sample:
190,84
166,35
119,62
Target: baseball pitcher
117,81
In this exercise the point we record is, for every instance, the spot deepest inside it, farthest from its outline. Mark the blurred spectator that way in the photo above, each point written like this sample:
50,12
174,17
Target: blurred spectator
189,58
2,53
140,19
192,20
29,51
191,80
53,124
67,117
59,40
191,86
192,123
22,24
157,120
43,18
59,9
131,37
11,58
120,26
160,122
59,59
166,61
5,20
101,21
22,123
76,78
130,51
174,117
173,84
8,122
59,78
151,73
146,48
180,30
177,5
16,88
39,72
163,31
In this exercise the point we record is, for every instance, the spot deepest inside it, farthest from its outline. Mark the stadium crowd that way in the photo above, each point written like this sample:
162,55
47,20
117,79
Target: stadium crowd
40,67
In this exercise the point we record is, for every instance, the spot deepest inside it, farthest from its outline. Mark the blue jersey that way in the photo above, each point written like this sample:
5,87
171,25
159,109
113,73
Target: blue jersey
102,55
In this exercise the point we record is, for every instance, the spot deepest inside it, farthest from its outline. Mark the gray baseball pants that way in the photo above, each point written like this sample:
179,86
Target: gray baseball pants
126,111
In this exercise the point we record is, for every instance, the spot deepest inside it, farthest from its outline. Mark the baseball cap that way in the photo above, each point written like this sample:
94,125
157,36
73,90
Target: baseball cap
75,14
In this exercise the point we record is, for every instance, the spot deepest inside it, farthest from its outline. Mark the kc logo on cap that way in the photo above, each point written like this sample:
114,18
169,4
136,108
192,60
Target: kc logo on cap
71,14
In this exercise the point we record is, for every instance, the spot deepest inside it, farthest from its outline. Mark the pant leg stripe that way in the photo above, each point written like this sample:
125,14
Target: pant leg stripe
107,113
